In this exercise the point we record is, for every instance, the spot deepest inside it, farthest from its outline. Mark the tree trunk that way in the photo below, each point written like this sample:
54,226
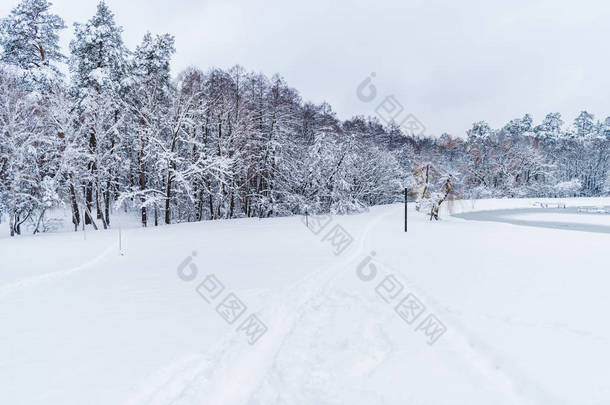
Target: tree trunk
107,203
98,209
11,223
89,188
143,179
36,230
199,212
75,212
110,175
231,205
88,213
446,189
144,219
88,202
168,194
211,206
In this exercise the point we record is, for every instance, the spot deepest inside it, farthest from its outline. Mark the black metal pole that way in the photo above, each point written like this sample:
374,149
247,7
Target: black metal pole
406,200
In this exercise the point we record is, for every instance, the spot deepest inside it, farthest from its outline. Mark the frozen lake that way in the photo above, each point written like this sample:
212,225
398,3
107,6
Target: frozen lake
586,219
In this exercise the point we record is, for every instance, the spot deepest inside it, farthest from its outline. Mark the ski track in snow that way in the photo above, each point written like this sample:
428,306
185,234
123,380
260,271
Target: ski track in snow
311,354
214,378
56,275
472,352
513,321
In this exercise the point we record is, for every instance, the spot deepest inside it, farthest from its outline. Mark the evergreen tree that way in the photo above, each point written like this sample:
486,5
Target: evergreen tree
550,128
29,39
98,67
583,124
98,56
149,100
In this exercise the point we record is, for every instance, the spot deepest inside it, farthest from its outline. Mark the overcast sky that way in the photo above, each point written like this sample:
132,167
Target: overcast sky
449,63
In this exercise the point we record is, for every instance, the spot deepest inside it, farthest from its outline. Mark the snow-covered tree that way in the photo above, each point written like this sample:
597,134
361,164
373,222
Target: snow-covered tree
98,67
550,128
29,40
123,133
149,99
28,163
583,124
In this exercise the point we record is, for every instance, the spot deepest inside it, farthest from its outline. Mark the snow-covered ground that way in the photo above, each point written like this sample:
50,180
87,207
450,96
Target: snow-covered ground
520,313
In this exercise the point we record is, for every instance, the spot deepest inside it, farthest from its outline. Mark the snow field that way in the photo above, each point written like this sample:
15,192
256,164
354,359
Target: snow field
523,308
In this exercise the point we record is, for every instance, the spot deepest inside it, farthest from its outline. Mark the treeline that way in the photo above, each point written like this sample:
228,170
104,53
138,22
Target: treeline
121,133
525,160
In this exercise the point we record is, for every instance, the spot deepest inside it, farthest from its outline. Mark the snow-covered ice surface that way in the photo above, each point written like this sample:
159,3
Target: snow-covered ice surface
569,218
525,311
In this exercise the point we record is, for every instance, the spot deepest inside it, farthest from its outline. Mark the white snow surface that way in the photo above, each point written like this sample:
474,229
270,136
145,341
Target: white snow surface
525,311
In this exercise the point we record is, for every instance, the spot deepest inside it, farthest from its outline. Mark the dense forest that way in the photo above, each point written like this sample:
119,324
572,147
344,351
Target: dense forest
120,132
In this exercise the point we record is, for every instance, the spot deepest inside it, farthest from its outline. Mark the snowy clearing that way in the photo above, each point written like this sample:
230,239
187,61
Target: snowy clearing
523,308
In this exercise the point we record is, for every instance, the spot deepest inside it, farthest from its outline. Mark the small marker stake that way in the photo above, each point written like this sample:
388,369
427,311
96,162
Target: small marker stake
120,242
406,215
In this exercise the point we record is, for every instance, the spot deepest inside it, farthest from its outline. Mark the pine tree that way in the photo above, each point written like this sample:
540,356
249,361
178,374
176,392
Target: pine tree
98,56
550,128
149,99
29,39
98,66
584,124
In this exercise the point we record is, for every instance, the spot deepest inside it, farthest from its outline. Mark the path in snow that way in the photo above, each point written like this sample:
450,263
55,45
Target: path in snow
58,274
237,374
213,379
84,325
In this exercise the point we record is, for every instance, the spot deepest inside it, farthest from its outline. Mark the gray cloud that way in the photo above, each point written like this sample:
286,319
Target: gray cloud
450,63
